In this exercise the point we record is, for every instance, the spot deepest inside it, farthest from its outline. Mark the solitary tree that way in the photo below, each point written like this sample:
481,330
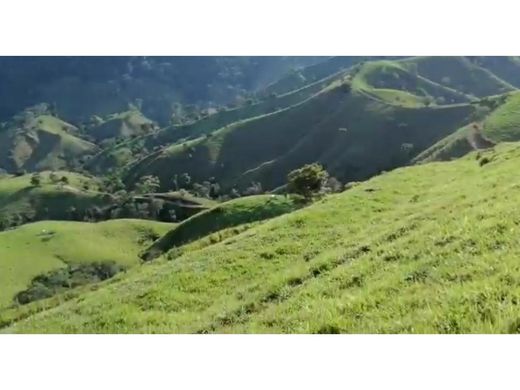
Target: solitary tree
307,180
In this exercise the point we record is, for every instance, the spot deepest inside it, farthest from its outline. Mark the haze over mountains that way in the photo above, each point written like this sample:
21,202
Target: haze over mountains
194,153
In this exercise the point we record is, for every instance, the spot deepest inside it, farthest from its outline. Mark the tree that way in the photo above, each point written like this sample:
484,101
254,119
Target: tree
307,180
148,184
36,179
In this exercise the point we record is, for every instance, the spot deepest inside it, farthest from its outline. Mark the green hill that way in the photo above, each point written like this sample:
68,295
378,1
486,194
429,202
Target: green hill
21,201
226,215
424,249
395,85
352,134
41,142
399,83
126,151
38,248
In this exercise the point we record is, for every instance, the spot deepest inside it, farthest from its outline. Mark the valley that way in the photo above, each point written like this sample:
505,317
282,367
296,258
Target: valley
272,195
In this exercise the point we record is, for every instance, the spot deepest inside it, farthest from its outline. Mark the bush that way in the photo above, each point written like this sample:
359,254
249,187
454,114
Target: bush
484,160
307,180
54,282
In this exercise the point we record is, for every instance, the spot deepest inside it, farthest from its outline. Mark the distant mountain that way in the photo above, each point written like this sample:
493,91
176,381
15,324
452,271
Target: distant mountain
83,86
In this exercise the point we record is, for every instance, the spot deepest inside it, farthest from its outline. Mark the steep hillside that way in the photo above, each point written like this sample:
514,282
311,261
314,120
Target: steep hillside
503,123
507,68
460,74
40,141
351,133
124,152
497,120
444,260
39,248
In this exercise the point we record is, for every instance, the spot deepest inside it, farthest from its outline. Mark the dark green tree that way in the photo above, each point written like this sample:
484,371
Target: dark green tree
307,180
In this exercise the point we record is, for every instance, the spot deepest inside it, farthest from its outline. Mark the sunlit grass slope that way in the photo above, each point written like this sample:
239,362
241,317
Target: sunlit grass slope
34,249
429,249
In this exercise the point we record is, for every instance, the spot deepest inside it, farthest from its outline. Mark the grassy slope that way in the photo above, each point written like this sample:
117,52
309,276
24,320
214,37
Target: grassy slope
229,214
353,135
500,125
444,260
43,143
37,248
49,201
394,82
310,74
503,123
453,146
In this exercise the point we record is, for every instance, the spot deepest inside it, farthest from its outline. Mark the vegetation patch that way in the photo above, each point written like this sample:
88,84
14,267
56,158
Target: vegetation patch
58,281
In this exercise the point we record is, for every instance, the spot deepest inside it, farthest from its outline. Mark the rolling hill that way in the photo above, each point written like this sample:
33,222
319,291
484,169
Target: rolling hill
227,215
421,240
36,141
125,124
53,198
352,134
40,248
443,261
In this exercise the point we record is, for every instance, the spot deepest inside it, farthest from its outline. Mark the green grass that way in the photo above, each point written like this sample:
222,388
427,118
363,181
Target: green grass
424,249
226,215
37,248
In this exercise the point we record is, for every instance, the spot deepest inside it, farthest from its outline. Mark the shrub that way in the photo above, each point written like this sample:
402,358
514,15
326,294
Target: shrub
54,282
483,161
307,181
